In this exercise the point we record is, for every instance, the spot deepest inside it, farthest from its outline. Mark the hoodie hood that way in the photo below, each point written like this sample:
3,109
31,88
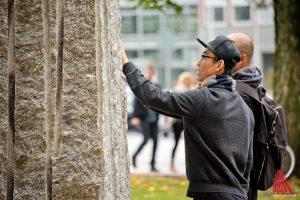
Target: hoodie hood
250,75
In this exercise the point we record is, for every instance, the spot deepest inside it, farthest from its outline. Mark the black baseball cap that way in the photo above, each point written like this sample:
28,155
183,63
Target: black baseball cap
224,49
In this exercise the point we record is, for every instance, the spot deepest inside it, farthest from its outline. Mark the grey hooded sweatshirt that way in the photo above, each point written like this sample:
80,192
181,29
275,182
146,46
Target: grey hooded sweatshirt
250,75
253,77
218,127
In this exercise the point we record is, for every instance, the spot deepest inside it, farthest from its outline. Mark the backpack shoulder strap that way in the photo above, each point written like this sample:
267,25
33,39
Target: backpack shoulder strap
242,87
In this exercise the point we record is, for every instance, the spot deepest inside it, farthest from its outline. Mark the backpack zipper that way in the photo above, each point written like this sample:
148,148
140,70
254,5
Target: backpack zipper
273,129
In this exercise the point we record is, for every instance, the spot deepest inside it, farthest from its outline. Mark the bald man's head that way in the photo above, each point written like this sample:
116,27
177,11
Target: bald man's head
244,43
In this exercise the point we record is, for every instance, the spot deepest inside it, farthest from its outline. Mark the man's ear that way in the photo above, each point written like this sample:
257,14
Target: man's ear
220,67
244,61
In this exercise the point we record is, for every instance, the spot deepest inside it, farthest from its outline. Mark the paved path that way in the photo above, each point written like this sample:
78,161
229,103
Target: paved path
163,155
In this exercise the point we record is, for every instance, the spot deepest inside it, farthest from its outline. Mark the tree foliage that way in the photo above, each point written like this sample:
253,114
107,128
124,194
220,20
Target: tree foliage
261,3
160,5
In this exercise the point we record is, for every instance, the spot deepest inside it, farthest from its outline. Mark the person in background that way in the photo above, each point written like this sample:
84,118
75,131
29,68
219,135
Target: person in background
243,71
185,82
218,124
148,121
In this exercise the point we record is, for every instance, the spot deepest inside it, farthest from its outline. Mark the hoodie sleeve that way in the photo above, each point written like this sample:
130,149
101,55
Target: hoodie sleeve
184,104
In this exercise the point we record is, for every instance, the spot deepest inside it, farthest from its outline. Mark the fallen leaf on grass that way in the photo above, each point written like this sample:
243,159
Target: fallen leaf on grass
165,187
151,189
183,183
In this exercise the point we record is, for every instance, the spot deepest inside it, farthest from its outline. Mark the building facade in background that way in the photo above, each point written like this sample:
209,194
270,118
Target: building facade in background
168,40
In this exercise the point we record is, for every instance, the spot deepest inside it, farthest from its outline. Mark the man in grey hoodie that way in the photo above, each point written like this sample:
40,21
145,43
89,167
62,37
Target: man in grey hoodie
243,71
218,125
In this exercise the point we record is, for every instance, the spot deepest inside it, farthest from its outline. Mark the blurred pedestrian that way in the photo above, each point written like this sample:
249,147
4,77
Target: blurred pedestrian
148,121
185,82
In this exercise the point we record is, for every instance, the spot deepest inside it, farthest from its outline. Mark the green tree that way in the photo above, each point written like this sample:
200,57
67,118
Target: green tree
286,68
158,5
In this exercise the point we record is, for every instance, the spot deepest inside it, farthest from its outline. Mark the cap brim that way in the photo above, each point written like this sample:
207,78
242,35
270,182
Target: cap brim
206,46
203,43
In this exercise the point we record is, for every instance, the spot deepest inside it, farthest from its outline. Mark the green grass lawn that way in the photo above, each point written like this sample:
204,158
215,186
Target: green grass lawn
174,188
166,188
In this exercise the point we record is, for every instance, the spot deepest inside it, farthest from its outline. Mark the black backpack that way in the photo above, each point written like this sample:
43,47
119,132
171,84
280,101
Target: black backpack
270,136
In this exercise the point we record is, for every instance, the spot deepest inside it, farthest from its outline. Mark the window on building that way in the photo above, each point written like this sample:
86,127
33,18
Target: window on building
176,23
242,13
266,14
131,54
192,23
216,14
193,8
219,14
151,53
129,24
127,9
177,54
151,24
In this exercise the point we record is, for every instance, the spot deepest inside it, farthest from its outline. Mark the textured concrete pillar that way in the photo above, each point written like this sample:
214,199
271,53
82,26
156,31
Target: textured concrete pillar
69,143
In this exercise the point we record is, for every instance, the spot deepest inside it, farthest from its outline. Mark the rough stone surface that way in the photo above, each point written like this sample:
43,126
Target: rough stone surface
113,103
93,158
29,109
3,98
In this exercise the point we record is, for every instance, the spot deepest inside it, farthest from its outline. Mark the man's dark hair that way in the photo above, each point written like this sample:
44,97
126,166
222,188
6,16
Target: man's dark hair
227,70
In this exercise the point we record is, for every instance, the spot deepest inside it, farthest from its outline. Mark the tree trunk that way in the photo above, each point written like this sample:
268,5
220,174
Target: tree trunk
286,69
83,121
